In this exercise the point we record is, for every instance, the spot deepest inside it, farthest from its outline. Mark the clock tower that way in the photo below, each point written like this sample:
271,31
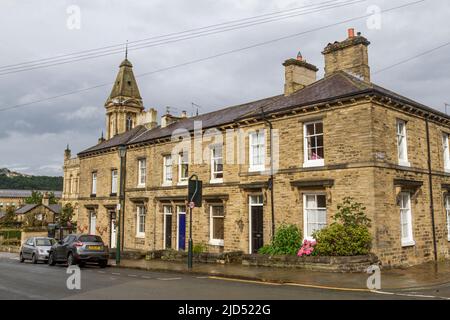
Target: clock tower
124,104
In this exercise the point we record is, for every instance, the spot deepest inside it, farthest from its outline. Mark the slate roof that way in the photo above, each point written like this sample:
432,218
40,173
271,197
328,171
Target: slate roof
338,85
13,193
26,208
55,208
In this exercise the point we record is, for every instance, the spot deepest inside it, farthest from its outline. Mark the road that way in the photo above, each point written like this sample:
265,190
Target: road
28,281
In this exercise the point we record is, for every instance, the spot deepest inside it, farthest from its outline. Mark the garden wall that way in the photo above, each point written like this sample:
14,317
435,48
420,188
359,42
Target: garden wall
317,263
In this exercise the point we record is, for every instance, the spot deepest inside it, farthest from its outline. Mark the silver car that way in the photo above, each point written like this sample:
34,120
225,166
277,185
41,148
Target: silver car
36,249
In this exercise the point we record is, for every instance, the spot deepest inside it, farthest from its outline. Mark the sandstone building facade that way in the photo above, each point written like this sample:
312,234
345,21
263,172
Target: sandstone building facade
290,158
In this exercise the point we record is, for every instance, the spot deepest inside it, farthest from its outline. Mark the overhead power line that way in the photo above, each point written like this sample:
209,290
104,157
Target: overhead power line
27,66
121,45
215,56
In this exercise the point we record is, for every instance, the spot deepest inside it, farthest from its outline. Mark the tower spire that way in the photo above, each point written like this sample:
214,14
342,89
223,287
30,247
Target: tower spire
126,50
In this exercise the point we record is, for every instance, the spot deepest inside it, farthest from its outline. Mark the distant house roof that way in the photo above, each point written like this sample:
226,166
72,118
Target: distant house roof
26,208
337,86
55,208
13,193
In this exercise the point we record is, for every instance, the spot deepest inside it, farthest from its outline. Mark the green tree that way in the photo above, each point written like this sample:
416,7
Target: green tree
36,198
10,218
66,214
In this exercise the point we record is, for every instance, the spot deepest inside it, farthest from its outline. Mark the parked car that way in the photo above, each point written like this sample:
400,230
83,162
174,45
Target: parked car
36,249
79,249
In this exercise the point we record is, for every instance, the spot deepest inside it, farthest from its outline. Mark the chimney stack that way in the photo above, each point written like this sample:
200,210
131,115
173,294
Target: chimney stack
45,199
350,55
148,118
298,74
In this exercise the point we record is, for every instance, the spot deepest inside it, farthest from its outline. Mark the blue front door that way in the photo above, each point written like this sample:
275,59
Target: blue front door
181,231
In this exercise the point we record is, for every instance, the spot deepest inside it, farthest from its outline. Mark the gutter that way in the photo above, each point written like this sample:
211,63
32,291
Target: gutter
430,182
271,180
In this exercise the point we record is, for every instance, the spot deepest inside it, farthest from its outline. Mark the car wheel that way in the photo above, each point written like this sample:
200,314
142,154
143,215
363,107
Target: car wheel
51,259
21,259
34,259
103,264
70,260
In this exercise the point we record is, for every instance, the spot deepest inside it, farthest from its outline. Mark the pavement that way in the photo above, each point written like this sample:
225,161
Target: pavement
29,281
417,277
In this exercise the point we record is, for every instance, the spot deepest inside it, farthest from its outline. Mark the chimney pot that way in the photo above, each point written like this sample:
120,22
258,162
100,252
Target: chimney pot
351,33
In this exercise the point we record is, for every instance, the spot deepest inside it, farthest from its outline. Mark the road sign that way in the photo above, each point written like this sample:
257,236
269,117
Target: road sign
195,192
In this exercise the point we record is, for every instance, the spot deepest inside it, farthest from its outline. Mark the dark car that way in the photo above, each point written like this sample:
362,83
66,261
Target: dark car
79,249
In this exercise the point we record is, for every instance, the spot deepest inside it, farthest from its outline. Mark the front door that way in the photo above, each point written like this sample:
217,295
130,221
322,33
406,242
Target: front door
256,227
113,237
167,231
181,245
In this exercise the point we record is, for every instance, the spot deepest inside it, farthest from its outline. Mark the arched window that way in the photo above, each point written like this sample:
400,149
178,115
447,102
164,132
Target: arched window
129,125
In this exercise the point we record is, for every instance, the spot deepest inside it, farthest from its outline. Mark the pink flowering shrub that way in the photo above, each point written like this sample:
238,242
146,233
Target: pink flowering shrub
307,248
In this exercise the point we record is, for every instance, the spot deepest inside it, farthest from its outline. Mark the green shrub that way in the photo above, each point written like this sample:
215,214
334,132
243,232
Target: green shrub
10,233
199,248
10,242
343,240
351,213
287,240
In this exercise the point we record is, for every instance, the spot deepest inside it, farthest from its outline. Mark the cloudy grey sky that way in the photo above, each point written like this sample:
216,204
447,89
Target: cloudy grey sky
33,138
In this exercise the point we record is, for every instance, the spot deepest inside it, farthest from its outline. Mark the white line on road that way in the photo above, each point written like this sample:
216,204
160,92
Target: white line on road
410,295
115,273
168,279
132,275
145,277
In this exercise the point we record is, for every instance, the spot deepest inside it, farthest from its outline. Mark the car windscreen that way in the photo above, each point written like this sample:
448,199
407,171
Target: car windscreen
44,242
91,238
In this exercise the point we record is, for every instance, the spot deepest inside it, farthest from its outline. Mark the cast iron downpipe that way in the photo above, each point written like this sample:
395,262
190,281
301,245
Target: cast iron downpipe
430,182
271,181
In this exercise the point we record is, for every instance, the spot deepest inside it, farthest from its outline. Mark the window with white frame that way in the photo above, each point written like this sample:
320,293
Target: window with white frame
167,170
183,167
142,172
406,219
216,225
446,151
94,183
114,181
402,145
216,164
257,151
447,211
313,147
92,222
140,222
314,213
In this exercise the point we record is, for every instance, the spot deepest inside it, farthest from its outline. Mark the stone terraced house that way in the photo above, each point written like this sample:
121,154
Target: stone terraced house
329,138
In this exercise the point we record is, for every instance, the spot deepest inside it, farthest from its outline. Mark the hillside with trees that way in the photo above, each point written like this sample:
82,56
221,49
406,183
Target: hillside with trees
15,180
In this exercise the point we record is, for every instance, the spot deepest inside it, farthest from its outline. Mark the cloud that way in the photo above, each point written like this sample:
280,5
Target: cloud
36,135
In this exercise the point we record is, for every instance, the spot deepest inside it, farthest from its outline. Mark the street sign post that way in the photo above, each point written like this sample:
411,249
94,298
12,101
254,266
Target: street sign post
195,200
